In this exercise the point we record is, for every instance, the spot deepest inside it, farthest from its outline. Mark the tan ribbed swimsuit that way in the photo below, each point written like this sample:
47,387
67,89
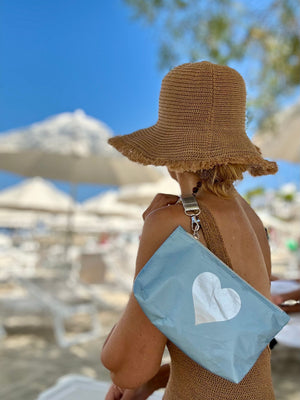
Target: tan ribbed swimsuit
189,381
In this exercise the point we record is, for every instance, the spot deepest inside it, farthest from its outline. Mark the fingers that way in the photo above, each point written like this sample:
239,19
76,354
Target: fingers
162,199
114,393
159,201
136,394
110,394
277,299
129,395
274,278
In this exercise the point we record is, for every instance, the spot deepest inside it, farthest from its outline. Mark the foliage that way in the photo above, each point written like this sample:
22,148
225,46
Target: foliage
250,194
287,197
261,37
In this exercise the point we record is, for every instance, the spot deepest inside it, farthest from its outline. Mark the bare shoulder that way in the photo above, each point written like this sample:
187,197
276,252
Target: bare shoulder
253,217
158,226
168,216
162,222
256,223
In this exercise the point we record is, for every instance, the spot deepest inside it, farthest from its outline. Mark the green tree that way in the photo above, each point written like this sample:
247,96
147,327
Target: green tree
262,36
250,194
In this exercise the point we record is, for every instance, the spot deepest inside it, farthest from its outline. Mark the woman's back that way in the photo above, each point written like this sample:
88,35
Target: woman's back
189,381
245,241
243,234
246,244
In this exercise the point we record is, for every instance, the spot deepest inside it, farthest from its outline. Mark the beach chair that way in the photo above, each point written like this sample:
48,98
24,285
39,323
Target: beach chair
79,387
111,264
289,336
88,274
62,293
120,260
54,297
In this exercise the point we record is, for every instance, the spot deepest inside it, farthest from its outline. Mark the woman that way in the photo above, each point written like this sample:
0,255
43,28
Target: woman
200,137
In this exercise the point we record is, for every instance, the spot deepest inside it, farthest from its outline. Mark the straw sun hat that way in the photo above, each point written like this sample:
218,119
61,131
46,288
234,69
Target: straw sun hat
201,123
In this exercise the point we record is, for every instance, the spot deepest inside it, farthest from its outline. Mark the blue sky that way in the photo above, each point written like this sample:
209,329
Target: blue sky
64,54
61,55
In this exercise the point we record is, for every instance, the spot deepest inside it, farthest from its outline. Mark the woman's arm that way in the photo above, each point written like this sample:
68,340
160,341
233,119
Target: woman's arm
161,379
134,350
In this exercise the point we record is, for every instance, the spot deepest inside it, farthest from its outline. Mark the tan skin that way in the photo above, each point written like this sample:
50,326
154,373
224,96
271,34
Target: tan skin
134,348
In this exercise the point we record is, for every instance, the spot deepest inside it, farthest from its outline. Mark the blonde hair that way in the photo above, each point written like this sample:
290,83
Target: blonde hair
219,179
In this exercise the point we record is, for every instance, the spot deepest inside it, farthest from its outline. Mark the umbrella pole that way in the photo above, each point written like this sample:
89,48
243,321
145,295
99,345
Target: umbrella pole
69,230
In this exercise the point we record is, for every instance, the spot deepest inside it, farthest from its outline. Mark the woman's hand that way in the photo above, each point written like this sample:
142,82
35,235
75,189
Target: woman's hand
159,201
143,392
140,393
114,393
277,299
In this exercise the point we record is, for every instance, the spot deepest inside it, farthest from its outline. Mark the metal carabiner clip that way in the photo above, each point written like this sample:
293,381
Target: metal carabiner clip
195,226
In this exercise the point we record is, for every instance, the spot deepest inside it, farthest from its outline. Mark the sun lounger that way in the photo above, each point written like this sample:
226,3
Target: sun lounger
290,334
62,303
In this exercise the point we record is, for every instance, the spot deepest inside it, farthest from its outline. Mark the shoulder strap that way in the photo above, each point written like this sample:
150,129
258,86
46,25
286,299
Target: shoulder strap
202,218
212,235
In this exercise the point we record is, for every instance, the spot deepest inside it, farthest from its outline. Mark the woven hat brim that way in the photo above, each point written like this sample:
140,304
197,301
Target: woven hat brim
151,146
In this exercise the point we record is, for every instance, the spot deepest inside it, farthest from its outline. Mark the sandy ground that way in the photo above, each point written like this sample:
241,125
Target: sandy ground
31,361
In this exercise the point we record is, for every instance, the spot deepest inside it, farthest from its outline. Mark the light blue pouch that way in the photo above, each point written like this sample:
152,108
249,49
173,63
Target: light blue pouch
205,308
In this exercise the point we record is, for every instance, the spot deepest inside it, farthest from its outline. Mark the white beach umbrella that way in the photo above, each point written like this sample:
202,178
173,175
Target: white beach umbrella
87,223
142,194
71,147
19,219
81,222
36,194
108,204
283,142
